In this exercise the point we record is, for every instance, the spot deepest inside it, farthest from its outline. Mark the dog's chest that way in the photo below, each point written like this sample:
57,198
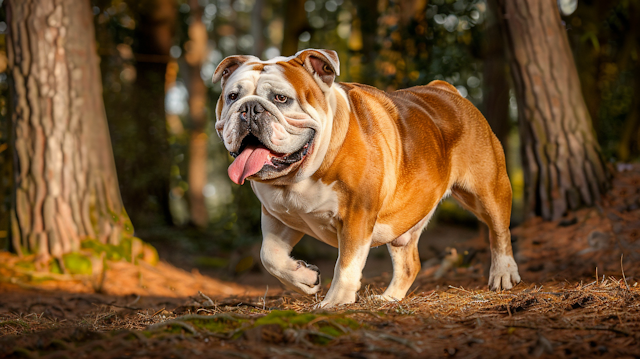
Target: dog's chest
309,206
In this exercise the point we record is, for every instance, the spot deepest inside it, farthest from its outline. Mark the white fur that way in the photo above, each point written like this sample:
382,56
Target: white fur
277,242
346,279
504,272
308,206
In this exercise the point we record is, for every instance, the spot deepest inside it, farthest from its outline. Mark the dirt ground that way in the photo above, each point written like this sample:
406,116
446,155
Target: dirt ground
579,298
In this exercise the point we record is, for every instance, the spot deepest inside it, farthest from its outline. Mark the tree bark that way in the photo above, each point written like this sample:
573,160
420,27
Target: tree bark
495,103
257,28
563,166
196,52
295,23
146,167
65,184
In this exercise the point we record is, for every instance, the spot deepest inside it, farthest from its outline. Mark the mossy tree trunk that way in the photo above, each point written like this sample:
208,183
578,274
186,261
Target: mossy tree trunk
563,166
65,184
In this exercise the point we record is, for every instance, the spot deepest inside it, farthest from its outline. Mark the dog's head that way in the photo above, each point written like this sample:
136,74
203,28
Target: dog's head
275,116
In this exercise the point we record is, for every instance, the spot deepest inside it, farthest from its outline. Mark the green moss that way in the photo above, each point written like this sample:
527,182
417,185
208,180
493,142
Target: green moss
123,250
331,330
302,319
112,252
54,267
348,322
218,325
280,317
26,265
76,263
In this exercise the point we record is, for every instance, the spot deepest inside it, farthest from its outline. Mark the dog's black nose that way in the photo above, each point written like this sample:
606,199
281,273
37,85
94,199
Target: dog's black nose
250,110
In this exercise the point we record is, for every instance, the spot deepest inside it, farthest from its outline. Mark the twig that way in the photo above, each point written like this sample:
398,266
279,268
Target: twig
134,301
264,299
460,288
623,276
209,302
179,323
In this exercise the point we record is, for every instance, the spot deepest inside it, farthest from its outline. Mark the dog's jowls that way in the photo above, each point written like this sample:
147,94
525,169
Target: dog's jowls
356,167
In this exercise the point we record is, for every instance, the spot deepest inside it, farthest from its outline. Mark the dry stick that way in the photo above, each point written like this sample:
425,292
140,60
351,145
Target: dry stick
173,322
264,299
623,276
209,301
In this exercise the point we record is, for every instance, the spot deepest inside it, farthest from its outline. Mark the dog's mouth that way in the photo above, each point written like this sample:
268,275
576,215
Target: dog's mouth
253,156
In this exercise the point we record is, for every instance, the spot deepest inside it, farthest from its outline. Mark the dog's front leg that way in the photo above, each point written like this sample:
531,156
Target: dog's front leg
353,247
277,242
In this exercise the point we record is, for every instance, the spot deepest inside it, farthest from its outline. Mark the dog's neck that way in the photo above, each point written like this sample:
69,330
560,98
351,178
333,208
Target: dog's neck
337,126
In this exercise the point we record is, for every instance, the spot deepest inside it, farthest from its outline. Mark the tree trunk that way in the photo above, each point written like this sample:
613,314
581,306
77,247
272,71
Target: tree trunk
146,168
295,23
65,183
196,52
257,28
495,103
563,166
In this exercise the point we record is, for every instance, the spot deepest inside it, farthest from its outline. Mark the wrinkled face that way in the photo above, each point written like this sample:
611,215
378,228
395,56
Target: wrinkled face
272,114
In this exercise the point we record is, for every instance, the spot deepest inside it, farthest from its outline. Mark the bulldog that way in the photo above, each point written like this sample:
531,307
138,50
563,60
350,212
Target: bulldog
356,167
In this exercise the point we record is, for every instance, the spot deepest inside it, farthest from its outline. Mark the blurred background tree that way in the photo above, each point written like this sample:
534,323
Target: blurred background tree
157,58
65,184
563,164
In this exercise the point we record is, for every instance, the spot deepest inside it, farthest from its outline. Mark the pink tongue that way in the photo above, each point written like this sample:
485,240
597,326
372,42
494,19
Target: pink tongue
250,161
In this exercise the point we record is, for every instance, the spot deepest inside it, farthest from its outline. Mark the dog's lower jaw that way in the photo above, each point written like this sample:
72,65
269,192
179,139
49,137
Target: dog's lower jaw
503,274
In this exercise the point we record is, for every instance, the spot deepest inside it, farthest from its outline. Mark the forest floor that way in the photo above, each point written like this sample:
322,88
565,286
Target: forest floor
579,298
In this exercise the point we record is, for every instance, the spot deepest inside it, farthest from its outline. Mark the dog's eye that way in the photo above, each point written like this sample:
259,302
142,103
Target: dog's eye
280,98
232,96
326,68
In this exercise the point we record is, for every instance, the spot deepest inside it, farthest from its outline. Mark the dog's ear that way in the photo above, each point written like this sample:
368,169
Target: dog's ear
228,66
323,63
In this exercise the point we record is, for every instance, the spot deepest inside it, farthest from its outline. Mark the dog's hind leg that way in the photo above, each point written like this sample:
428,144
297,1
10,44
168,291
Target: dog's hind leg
493,207
488,196
277,242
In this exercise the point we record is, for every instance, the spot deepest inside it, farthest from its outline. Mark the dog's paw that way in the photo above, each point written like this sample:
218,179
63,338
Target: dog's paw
384,298
337,296
332,304
305,278
504,273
